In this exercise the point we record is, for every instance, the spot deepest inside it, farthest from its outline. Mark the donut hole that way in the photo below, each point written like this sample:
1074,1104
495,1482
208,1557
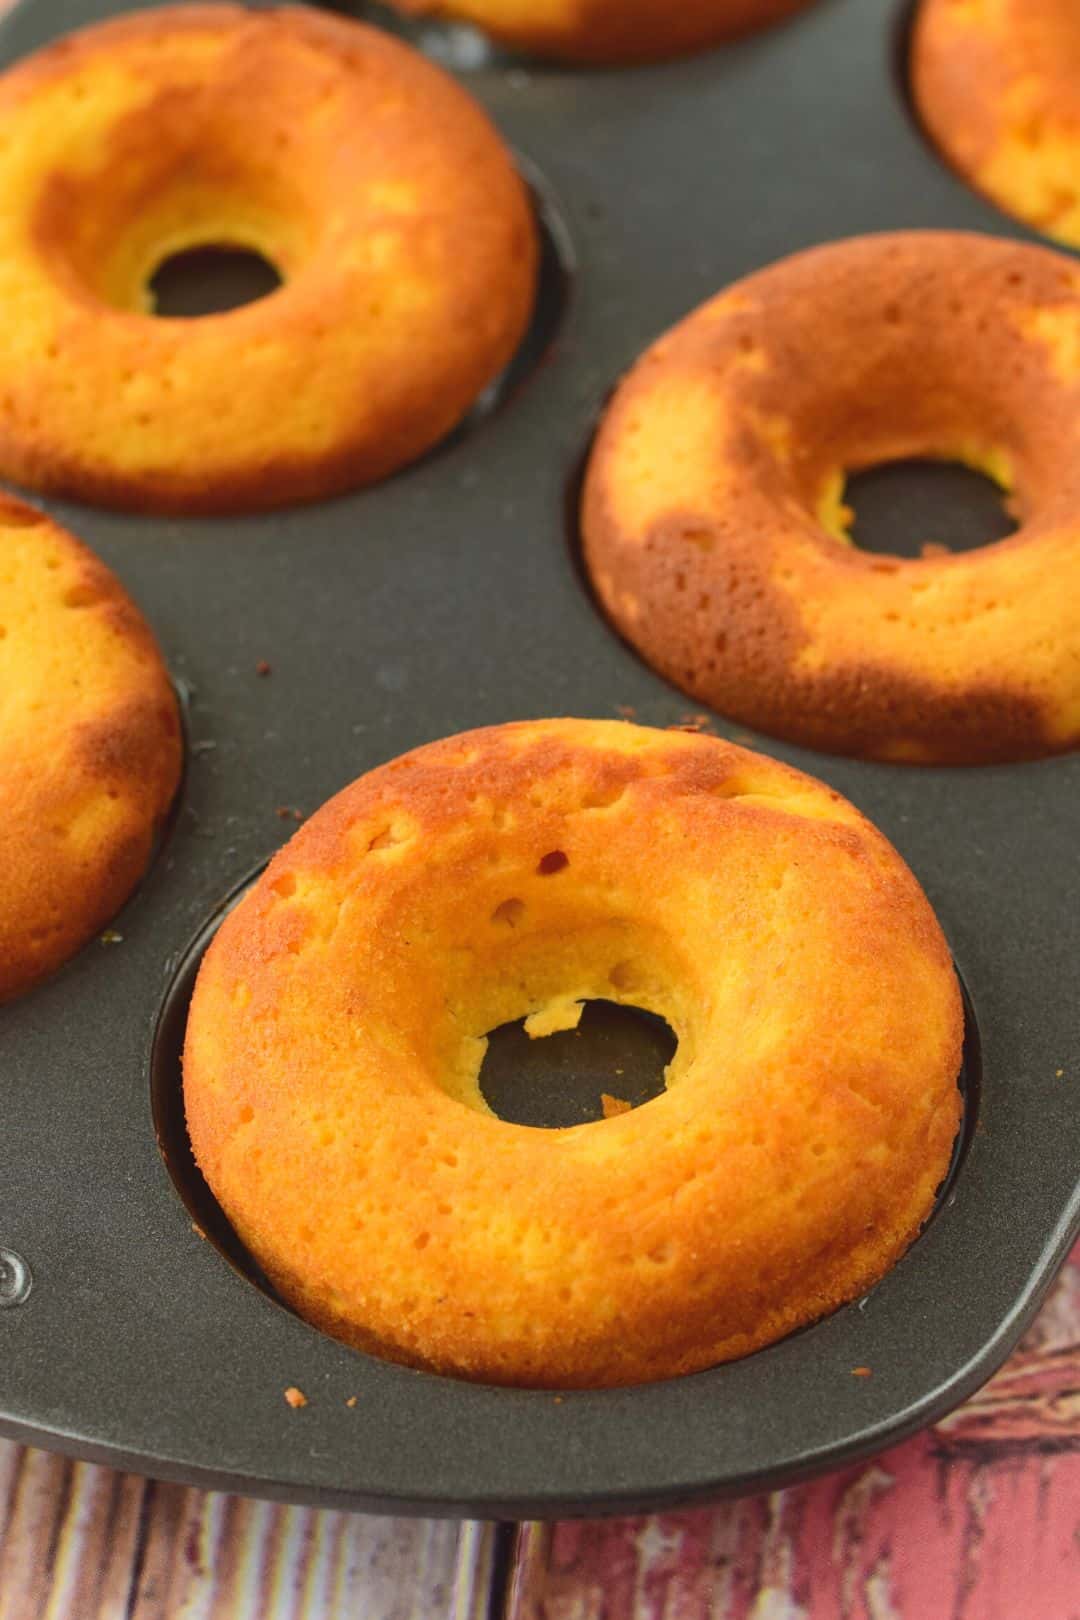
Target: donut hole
617,1054
512,1028
210,279
220,231
919,508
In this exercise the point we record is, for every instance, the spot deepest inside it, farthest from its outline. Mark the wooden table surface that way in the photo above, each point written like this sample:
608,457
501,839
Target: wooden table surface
978,1519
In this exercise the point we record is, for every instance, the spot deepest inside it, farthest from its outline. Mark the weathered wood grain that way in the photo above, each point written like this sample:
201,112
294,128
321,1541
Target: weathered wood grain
979,1519
79,1542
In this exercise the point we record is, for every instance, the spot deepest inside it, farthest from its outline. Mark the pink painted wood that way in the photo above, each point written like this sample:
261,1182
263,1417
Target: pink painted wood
978,1519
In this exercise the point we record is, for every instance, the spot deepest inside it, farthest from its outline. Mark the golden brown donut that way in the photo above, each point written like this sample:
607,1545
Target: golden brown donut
90,746
339,1020
374,184
713,518
608,31
997,85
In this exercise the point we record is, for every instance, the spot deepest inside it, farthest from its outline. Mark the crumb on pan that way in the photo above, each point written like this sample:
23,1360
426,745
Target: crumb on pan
561,1012
614,1106
693,722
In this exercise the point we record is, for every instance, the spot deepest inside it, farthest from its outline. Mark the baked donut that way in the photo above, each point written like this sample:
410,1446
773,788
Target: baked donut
90,748
376,187
996,84
608,31
713,521
338,1027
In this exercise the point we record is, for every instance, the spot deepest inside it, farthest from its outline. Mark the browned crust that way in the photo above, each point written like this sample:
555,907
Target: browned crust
958,96
985,76
254,488
869,350
613,32
100,738
651,1244
739,661
471,247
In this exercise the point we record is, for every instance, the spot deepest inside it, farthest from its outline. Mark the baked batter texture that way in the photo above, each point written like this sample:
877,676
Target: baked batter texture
90,745
338,1028
377,188
714,526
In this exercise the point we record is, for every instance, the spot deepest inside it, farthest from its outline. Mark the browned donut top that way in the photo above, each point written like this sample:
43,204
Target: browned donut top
997,83
90,745
378,188
338,1027
713,521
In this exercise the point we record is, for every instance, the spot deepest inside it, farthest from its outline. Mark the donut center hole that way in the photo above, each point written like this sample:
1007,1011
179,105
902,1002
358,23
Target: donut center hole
554,1077
920,508
210,280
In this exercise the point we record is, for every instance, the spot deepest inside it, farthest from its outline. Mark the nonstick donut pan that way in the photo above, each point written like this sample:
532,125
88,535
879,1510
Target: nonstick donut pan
451,597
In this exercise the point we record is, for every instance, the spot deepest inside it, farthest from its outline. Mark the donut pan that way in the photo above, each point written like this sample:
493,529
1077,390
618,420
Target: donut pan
451,597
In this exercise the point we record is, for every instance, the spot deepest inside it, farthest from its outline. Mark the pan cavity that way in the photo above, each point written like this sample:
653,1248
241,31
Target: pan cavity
556,1081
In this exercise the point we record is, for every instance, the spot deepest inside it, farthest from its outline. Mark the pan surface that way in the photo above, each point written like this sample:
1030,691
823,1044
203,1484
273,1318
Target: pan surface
452,597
